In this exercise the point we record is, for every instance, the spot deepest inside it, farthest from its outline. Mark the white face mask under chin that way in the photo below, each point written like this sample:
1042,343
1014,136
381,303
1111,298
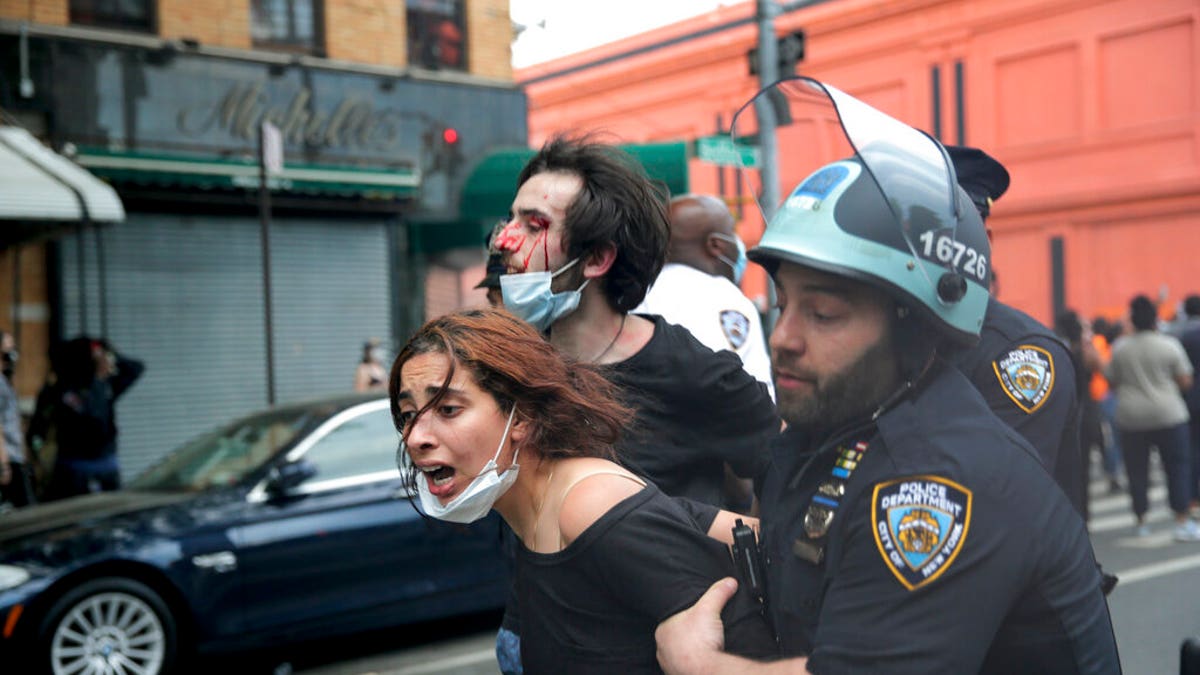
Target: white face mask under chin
478,498
529,297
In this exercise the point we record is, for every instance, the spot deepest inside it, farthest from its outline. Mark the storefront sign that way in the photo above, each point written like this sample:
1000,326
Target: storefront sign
351,123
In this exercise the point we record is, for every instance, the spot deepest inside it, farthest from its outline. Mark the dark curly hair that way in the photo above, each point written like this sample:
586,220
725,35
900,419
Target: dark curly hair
571,410
618,204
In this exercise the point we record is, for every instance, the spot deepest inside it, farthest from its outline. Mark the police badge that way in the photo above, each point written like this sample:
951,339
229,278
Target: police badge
920,524
1027,375
736,327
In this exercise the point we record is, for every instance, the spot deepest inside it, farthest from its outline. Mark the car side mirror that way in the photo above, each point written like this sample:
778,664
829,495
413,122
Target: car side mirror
286,477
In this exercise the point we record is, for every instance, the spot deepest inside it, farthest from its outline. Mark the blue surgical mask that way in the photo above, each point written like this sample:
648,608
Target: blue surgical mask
528,296
738,267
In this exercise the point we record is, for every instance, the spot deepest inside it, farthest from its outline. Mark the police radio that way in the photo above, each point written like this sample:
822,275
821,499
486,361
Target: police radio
748,559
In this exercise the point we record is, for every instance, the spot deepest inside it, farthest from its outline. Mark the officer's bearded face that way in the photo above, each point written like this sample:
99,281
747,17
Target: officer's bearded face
841,397
832,352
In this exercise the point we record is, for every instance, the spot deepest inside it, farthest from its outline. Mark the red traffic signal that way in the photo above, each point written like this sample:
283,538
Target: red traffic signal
450,135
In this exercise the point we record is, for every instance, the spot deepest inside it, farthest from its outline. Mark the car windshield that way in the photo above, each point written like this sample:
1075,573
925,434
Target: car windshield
228,455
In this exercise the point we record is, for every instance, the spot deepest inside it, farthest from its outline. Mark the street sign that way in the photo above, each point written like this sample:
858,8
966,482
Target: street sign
272,148
724,151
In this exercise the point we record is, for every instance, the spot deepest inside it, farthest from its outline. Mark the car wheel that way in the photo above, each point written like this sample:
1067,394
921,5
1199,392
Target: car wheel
108,625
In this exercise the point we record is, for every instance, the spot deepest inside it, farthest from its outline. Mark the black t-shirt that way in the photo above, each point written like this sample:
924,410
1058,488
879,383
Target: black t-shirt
593,607
696,410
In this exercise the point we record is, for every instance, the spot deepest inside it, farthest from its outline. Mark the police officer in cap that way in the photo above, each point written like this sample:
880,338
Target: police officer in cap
905,529
491,279
1024,371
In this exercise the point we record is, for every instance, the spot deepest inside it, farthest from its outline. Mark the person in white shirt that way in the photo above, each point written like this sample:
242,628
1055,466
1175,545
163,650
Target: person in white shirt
697,288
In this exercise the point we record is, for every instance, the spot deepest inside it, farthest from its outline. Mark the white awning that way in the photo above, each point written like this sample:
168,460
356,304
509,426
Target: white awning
39,184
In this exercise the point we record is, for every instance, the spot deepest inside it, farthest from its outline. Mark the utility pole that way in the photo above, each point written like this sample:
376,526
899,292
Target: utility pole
768,73
270,161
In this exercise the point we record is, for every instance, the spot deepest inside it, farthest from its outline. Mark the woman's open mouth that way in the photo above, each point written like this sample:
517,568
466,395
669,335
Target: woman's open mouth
440,478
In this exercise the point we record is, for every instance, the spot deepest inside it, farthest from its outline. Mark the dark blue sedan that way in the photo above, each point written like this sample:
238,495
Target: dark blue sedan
286,525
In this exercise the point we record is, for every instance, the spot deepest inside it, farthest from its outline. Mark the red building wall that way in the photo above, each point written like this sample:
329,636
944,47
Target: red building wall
1092,105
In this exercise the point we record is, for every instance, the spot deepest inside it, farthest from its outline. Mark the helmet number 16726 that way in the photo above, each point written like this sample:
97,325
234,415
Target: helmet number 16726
955,253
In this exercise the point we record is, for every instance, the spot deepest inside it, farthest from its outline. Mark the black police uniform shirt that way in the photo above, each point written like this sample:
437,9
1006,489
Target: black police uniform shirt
951,551
1028,378
593,606
695,410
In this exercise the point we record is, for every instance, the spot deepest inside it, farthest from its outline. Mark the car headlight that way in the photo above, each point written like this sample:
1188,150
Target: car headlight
12,576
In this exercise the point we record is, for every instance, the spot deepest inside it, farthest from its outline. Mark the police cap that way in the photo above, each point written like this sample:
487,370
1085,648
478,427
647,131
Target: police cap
984,178
495,268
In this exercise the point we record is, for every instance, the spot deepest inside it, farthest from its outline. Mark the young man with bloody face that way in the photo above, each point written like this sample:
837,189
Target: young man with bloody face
586,236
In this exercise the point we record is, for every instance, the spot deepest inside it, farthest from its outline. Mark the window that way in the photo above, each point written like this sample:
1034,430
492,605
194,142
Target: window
228,455
437,34
287,25
363,445
124,14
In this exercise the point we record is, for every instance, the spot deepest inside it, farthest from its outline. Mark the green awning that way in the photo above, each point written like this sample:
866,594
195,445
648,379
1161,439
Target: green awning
168,170
488,191
434,235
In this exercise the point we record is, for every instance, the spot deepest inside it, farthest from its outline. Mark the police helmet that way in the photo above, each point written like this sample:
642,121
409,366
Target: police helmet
891,215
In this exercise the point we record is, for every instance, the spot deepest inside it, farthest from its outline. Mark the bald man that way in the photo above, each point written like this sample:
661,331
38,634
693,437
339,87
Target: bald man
697,288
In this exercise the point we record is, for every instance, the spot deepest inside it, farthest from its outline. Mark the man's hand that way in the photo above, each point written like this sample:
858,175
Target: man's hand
688,641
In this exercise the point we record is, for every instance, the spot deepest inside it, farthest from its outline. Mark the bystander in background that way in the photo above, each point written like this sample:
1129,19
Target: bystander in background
1191,345
16,488
1149,371
1078,336
1104,334
371,375
80,409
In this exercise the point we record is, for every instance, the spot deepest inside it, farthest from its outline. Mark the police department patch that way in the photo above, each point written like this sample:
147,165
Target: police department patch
736,327
1027,375
920,524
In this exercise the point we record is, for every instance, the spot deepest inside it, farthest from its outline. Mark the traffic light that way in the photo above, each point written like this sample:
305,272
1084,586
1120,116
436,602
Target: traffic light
443,147
789,47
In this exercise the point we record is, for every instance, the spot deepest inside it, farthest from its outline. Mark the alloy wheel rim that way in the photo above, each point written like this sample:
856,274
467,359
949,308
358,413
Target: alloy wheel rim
109,633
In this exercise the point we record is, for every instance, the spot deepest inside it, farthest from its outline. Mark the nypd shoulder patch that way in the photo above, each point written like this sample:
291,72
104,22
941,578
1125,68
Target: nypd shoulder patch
920,524
1027,376
736,327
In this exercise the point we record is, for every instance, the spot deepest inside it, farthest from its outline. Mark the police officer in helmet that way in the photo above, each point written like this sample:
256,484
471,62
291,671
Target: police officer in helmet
905,529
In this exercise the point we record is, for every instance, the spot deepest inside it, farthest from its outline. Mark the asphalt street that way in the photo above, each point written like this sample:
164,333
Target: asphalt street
1156,604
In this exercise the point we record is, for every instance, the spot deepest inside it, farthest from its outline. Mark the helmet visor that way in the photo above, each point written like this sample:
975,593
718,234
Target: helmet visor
815,124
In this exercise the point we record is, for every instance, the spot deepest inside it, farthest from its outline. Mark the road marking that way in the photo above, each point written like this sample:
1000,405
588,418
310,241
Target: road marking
443,665
1160,569
1126,520
1123,516
1161,539
1122,502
